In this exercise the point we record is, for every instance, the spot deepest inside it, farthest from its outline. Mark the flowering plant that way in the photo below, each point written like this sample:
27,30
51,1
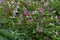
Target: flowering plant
29,20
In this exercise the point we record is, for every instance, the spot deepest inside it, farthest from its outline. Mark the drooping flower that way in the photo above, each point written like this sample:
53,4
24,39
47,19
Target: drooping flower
41,9
26,12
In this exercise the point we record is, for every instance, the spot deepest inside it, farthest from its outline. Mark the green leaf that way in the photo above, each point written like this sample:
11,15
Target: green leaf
4,20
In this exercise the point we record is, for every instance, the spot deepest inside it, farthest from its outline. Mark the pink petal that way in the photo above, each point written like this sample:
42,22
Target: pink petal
41,9
25,12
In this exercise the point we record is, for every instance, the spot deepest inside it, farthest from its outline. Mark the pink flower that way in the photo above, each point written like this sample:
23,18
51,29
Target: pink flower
41,9
1,1
19,23
26,12
34,12
46,3
17,3
50,9
39,30
29,21
15,11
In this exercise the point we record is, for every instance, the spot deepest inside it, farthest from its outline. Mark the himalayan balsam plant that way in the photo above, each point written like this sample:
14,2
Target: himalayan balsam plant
29,19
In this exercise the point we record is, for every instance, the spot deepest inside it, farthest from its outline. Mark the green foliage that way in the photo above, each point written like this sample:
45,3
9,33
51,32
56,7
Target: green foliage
40,23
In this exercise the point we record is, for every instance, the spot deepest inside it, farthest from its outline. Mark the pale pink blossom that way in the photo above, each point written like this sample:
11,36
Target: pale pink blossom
2,1
19,23
39,30
41,9
29,21
46,3
15,11
50,9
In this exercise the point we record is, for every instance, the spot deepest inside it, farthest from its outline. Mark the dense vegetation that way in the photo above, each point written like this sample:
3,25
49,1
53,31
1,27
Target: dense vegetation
29,20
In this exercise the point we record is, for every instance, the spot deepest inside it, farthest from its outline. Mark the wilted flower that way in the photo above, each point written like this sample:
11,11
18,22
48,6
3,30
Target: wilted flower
41,9
26,12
